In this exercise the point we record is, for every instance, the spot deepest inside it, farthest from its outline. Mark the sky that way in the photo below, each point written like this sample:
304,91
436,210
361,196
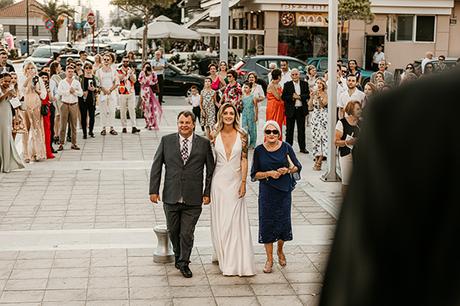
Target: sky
100,5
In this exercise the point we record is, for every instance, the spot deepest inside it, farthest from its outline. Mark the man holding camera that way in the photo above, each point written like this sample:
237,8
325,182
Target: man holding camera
126,79
69,89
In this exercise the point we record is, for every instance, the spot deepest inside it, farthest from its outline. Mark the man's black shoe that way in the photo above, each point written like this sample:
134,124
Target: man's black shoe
135,130
124,131
177,265
304,151
185,270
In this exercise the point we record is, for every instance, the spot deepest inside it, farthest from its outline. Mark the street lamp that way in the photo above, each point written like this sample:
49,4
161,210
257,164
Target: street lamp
27,26
224,16
331,174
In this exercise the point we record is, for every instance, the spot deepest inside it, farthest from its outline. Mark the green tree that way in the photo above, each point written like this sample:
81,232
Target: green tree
5,3
142,8
353,10
54,11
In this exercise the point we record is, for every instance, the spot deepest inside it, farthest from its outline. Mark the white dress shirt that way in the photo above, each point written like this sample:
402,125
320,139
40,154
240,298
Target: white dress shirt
345,97
64,91
298,102
285,77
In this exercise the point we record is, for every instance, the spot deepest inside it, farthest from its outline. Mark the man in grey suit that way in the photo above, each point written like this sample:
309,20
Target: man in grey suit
185,156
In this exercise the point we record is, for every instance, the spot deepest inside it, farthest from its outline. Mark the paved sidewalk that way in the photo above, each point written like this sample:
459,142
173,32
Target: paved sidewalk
77,230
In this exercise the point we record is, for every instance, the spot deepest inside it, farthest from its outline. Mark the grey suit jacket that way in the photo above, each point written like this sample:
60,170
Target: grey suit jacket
181,180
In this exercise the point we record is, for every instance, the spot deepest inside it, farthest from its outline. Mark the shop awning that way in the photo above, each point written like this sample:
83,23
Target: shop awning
216,32
212,11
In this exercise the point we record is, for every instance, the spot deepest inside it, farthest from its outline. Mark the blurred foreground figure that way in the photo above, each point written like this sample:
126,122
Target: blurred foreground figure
399,224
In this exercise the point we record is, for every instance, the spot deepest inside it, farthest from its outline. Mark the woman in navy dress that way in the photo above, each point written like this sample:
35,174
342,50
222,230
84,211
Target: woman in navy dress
277,168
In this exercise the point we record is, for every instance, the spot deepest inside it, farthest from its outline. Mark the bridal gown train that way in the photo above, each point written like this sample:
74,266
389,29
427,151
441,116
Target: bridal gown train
230,230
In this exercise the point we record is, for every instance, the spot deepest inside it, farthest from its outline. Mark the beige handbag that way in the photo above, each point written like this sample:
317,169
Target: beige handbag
19,126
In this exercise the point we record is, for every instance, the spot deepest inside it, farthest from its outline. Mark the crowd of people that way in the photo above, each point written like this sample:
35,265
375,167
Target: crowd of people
48,105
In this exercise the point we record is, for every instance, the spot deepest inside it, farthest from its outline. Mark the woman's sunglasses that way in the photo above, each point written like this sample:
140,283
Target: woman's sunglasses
274,132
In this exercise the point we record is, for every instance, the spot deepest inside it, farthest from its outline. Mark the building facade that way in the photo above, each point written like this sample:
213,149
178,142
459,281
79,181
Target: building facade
406,29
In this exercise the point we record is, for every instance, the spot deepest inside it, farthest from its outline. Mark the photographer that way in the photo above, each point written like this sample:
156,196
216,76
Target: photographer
46,115
126,79
34,91
87,102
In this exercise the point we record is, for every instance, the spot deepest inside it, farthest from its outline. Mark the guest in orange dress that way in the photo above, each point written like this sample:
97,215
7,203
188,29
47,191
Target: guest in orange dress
275,105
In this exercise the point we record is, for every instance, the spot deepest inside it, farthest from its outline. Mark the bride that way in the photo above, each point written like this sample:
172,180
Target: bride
230,230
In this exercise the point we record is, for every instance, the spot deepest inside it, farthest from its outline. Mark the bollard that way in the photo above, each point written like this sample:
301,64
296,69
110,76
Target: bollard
164,252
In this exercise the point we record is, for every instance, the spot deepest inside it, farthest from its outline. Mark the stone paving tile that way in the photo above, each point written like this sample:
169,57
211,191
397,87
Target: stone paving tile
95,294
108,282
279,300
67,283
26,284
231,301
64,296
22,296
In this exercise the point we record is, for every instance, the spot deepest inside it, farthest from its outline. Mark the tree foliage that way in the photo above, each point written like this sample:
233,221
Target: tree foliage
54,11
355,9
5,3
144,9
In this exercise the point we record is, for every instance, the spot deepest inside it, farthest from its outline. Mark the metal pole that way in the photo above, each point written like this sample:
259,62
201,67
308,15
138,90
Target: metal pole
27,26
331,174
224,18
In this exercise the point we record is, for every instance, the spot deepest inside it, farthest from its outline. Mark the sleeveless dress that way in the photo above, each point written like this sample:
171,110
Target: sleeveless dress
230,229
9,156
275,109
208,115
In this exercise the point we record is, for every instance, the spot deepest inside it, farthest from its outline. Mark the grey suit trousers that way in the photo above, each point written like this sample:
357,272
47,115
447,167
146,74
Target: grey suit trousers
181,220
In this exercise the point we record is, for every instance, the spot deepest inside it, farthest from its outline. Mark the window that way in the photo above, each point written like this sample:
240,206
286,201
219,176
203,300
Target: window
425,28
411,28
405,28
34,30
13,29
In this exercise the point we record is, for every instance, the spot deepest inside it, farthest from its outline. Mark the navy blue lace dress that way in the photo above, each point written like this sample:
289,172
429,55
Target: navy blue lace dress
274,195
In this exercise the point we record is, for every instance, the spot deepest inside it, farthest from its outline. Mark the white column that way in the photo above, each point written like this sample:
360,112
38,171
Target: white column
224,17
331,175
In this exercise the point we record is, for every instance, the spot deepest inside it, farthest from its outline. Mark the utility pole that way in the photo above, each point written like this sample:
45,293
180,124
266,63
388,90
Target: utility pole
331,174
224,17
27,26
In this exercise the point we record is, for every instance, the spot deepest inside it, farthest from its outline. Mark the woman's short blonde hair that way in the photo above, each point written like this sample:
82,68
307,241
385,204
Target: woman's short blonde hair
28,64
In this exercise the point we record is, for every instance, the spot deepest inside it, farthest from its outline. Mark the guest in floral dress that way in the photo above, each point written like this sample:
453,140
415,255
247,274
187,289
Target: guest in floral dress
150,105
318,101
208,108
250,114
232,93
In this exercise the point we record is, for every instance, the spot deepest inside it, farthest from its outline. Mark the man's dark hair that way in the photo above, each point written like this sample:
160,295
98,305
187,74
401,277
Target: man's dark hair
186,114
233,73
43,73
276,74
69,67
351,75
82,52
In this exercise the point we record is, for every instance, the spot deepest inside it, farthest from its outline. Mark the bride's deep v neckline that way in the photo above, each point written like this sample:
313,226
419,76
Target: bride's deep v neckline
227,155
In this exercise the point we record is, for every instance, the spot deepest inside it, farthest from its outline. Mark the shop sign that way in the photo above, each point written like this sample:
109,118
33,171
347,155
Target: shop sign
304,7
310,20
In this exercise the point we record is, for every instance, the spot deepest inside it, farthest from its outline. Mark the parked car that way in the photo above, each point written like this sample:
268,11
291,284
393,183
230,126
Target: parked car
260,64
321,67
177,81
42,55
119,48
451,62
97,48
76,57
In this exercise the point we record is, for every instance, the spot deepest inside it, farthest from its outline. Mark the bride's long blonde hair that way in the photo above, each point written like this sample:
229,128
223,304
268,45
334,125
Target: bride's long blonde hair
236,123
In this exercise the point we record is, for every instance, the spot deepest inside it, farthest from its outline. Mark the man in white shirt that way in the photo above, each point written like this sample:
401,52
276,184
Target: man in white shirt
285,73
428,58
352,94
377,58
69,89
159,65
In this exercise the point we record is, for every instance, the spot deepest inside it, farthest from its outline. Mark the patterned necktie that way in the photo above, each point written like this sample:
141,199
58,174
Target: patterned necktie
184,151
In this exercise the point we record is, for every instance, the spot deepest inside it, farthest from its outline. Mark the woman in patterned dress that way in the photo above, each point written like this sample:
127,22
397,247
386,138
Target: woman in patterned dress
150,105
233,93
208,106
318,101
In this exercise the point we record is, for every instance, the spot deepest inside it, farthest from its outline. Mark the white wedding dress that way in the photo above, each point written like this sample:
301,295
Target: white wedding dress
230,230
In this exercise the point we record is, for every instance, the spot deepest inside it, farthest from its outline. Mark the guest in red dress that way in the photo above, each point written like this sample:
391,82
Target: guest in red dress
46,117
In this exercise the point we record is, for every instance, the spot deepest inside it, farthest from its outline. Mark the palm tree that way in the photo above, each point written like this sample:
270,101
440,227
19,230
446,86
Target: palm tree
54,11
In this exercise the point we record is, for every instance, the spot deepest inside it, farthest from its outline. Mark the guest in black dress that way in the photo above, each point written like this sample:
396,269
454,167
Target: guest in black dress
277,168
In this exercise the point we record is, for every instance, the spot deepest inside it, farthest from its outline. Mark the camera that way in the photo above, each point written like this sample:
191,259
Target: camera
35,80
90,83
